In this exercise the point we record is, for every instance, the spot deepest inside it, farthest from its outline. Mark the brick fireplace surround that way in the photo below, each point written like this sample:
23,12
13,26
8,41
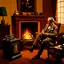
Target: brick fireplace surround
17,20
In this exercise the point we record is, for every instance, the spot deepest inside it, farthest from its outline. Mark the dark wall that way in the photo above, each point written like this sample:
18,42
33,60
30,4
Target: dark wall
47,11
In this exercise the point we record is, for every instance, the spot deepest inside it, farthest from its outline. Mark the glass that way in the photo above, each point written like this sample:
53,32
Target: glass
59,10
62,4
59,4
62,9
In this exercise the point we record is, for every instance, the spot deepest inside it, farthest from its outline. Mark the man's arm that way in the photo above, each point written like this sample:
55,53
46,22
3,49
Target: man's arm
54,31
44,29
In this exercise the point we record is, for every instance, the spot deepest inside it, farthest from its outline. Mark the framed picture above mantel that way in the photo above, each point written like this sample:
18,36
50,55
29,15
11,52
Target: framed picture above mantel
26,6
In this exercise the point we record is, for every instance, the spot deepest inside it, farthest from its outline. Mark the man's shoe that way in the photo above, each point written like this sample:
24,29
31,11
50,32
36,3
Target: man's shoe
36,57
30,49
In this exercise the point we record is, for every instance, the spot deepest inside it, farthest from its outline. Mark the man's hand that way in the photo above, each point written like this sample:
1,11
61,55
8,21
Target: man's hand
46,34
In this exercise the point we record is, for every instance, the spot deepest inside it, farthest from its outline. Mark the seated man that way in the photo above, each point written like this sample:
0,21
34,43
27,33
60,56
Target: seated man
47,34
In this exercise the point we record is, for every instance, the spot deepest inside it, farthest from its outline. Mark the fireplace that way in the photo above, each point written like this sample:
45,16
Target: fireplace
29,29
26,24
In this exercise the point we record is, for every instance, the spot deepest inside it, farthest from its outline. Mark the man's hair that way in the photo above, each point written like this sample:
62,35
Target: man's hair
51,19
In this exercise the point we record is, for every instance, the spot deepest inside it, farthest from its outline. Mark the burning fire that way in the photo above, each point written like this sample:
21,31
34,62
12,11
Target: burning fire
27,34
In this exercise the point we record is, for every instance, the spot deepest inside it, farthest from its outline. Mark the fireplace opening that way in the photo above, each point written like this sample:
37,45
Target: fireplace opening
28,30
27,34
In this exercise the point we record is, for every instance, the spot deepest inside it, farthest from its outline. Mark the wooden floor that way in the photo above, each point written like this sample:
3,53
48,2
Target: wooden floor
27,58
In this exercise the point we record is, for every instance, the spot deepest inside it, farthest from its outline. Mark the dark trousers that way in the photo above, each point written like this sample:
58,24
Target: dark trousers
39,39
43,45
46,42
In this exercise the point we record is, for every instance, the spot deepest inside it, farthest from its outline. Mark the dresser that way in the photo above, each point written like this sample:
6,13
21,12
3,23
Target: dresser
4,30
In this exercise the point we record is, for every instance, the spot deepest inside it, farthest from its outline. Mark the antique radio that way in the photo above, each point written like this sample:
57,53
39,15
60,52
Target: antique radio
11,47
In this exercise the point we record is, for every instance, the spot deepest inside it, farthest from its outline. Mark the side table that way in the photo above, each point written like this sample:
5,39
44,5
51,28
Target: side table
56,52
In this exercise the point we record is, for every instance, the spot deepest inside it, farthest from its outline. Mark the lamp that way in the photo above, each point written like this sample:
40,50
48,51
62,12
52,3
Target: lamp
3,13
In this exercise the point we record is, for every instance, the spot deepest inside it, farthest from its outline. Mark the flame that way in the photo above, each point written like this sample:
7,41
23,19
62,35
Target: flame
27,34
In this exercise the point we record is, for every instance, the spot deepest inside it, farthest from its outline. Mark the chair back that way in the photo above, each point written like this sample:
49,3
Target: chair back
58,24
57,37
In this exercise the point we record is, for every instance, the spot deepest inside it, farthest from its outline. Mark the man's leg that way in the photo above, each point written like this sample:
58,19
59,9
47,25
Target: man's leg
45,43
37,38
40,50
35,43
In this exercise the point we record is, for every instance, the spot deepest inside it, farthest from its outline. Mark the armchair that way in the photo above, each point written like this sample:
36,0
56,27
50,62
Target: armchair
56,37
50,50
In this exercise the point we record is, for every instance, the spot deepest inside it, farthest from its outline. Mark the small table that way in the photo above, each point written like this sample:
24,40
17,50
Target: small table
57,52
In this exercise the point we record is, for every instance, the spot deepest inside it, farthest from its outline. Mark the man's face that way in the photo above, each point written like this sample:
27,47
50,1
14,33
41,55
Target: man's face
49,22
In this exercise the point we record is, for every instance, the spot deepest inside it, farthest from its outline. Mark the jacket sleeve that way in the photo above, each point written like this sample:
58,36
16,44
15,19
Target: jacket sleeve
54,31
44,29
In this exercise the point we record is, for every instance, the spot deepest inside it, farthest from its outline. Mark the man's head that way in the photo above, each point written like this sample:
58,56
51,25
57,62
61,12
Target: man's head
50,19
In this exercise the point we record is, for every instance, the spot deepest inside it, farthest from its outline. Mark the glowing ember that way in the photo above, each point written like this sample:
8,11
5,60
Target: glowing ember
27,35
